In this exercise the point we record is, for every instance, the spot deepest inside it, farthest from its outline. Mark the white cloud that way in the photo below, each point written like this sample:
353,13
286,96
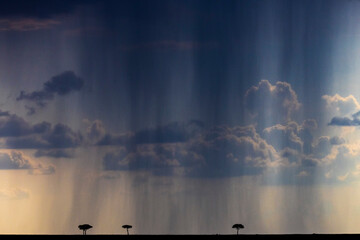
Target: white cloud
341,106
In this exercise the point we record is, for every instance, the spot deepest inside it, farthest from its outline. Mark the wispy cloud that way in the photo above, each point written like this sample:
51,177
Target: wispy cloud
13,194
26,24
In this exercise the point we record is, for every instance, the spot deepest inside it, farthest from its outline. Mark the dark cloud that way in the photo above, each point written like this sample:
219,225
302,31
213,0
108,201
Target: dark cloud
18,133
170,133
39,97
61,84
345,121
173,132
27,142
64,83
4,113
62,136
115,139
58,136
43,127
12,125
309,162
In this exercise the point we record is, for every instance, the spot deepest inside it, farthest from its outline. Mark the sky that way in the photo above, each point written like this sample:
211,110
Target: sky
179,117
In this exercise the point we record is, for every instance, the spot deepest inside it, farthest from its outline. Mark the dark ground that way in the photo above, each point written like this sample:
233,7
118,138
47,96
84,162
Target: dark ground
272,236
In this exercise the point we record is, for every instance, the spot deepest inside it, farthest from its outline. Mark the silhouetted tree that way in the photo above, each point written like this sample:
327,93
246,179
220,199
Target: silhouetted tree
84,228
127,228
238,227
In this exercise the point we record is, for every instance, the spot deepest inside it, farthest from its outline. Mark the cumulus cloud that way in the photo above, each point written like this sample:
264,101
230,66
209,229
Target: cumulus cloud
283,146
291,135
61,85
224,151
281,136
271,104
341,105
344,166
217,152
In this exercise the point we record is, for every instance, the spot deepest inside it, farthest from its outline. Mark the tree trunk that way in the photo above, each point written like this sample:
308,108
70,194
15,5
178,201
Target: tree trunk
237,231
127,230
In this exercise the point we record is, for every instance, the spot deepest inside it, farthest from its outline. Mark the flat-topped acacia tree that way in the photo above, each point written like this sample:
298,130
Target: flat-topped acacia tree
238,226
84,228
127,228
